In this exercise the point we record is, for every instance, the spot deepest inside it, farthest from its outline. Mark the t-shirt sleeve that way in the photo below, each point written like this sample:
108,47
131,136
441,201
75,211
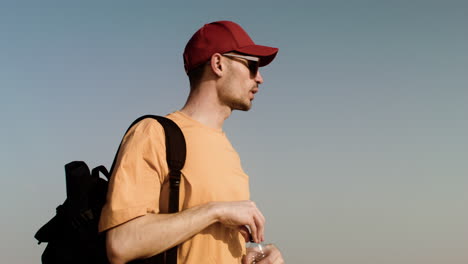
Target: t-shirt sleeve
139,172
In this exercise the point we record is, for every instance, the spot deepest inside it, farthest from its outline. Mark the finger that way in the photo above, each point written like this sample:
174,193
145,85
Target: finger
273,255
260,224
261,215
253,230
245,233
245,260
277,259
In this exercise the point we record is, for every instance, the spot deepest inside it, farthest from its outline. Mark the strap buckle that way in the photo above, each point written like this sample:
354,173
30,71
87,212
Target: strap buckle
174,179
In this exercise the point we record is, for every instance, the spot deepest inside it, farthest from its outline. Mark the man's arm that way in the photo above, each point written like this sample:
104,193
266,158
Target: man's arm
151,234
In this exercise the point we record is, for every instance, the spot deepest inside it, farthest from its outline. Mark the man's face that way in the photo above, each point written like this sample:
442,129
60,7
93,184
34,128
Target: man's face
241,83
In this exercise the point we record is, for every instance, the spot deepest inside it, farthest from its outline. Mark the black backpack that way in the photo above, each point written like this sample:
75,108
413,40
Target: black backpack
72,234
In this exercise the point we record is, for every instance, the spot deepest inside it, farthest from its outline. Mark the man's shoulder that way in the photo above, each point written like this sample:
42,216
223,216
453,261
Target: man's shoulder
147,127
151,127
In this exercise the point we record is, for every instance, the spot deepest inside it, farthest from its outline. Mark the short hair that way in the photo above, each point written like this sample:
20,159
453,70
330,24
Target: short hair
196,75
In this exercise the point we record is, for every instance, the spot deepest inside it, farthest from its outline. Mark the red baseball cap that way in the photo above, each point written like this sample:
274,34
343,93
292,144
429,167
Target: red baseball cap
222,37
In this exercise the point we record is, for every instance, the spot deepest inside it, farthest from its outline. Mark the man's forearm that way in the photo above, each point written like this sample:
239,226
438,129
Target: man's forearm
151,234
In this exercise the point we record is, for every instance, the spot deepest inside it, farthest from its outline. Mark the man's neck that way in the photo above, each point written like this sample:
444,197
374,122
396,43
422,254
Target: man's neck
203,106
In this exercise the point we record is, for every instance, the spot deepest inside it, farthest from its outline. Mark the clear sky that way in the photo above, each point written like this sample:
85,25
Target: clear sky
356,145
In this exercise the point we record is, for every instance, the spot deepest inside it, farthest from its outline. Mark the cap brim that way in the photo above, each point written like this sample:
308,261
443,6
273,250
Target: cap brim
266,54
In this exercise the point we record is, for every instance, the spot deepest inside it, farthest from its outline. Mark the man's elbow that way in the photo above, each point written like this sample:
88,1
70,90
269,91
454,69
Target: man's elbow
114,250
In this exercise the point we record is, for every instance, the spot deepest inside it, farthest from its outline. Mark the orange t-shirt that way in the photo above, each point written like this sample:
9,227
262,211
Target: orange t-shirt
212,172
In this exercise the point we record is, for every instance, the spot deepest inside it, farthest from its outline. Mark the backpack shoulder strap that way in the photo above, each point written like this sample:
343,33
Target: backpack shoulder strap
175,142
175,156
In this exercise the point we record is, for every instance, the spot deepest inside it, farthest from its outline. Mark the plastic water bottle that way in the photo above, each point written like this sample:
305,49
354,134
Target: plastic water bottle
255,252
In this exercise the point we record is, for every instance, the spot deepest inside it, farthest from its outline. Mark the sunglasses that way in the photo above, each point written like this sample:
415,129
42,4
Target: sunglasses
252,62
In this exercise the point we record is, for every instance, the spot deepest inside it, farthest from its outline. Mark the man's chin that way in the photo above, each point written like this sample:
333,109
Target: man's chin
242,106
246,108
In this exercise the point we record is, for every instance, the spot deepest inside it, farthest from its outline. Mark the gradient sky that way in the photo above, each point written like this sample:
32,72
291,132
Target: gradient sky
356,144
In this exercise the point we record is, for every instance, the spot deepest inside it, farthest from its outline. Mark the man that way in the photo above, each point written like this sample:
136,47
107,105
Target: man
222,64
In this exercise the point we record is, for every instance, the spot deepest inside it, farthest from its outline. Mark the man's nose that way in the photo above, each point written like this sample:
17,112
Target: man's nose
259,78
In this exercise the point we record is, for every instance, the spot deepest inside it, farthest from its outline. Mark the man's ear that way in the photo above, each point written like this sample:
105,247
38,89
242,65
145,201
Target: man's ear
217,64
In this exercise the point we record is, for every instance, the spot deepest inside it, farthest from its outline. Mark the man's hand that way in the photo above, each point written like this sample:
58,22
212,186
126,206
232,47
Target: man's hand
240,214
272,256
